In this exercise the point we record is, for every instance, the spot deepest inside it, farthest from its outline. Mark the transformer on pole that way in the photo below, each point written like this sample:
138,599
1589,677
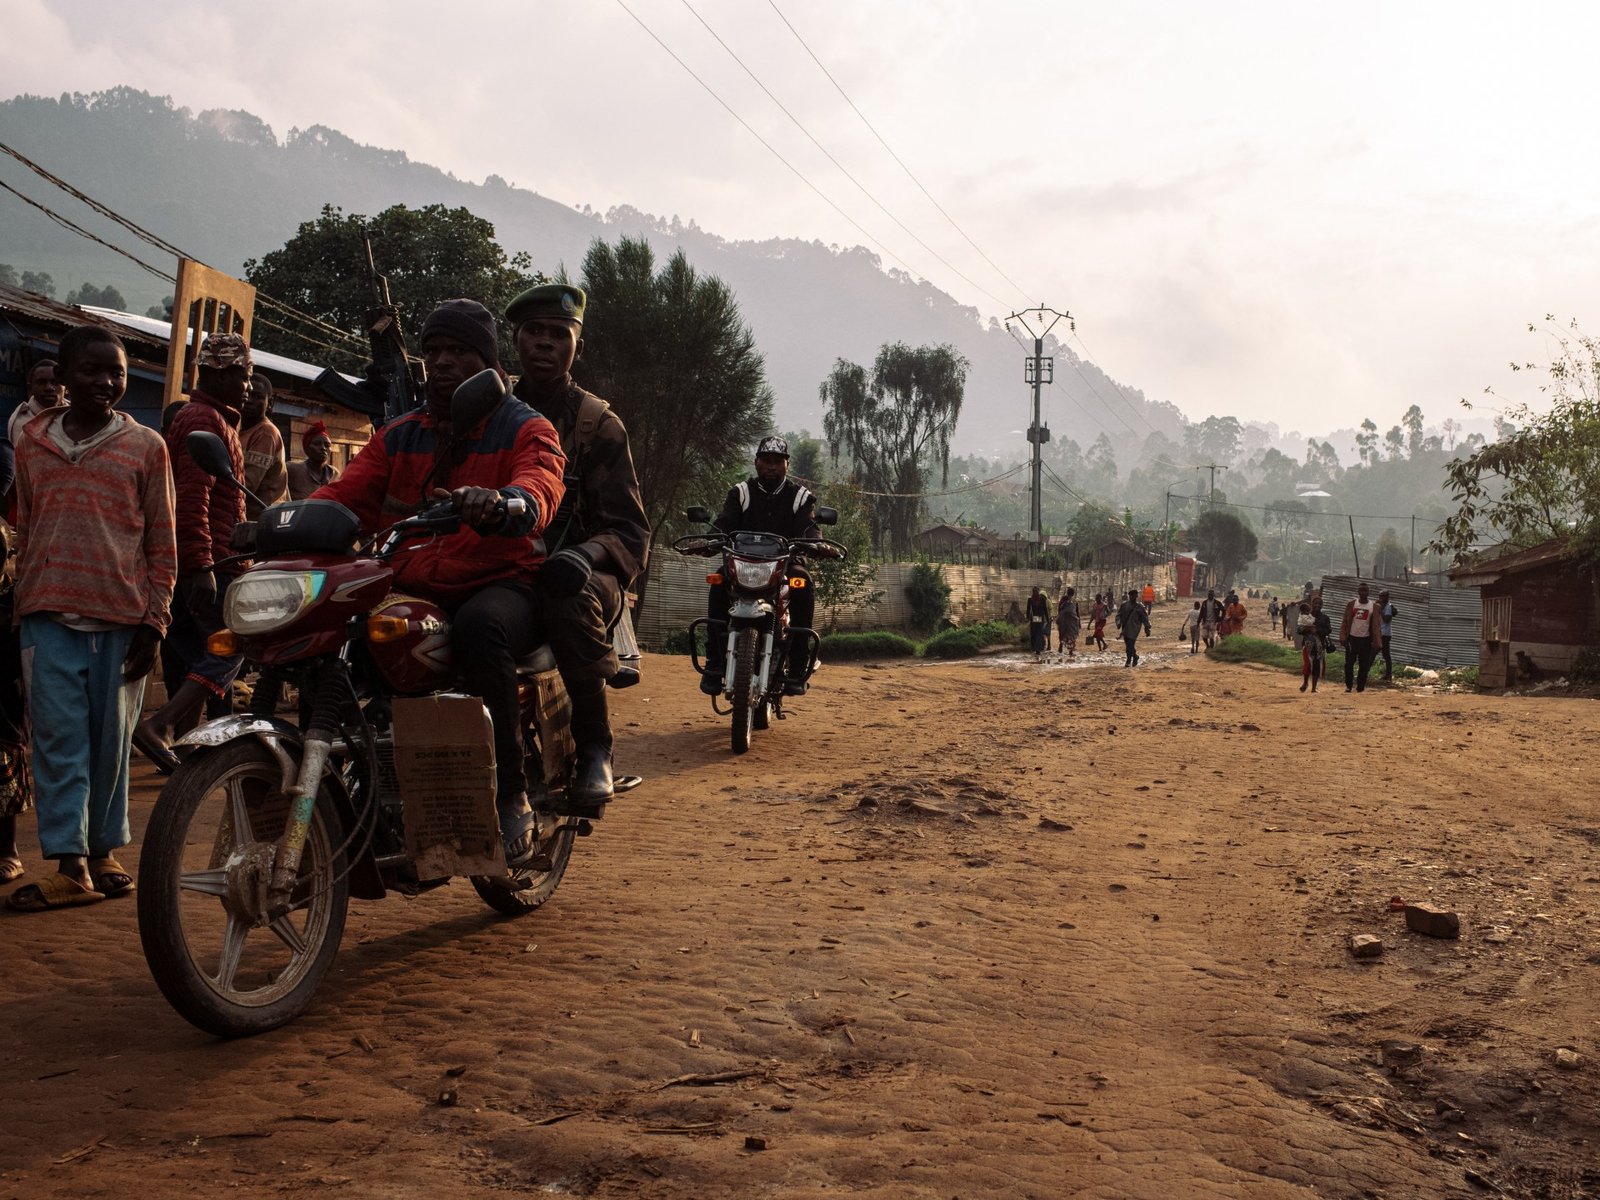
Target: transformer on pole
1039,370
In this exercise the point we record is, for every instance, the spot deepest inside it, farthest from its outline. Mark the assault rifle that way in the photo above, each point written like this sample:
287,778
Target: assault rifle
393,386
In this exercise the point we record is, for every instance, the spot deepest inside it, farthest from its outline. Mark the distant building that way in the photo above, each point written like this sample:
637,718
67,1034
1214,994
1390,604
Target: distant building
1539,610
953,542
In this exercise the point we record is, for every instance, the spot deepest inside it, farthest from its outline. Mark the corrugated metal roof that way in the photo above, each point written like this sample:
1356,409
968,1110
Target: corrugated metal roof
162,332
43,308
147,331
1490,569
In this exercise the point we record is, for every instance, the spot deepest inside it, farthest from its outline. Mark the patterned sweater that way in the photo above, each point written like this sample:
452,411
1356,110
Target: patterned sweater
95,536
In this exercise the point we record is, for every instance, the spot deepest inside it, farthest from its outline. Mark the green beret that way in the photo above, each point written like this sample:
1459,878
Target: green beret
563,301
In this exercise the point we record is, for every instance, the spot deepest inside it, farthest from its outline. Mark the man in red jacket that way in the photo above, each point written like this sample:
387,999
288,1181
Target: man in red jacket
483,573
205,513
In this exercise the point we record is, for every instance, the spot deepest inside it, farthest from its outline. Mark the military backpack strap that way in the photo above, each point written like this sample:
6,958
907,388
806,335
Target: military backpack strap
575,445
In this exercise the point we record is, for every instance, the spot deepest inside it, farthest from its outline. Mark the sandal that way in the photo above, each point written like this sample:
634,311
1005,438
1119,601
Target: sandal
110,877
11,870
53,891
162,758
520,836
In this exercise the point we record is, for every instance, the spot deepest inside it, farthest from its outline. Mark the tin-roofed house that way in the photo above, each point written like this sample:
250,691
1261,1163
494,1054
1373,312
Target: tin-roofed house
1540,609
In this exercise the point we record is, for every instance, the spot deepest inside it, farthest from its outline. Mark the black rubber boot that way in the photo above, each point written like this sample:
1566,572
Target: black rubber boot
591,730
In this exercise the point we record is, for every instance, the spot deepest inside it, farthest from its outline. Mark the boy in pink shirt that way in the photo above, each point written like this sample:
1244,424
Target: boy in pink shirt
95,570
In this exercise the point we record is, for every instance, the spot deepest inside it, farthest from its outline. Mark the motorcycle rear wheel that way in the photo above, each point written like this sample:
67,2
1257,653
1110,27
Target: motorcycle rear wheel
744,700
528,890
195,939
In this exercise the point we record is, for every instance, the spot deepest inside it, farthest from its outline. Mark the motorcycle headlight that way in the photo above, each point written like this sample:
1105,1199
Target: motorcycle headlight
263,601
756,573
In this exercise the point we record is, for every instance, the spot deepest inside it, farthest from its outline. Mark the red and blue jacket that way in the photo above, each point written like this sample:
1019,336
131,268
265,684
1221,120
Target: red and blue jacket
205,509
514,451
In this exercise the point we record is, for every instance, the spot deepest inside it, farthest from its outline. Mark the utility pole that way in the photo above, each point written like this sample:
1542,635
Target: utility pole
1213,468
1040,370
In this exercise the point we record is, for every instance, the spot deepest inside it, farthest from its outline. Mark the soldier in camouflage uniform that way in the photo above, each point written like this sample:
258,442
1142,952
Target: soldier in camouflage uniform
598,539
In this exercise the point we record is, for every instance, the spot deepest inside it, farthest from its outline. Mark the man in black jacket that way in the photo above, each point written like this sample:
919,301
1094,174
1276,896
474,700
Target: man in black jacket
768,502
1130,618
598,538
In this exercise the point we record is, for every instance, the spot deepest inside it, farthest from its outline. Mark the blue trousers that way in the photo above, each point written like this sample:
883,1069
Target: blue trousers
83,717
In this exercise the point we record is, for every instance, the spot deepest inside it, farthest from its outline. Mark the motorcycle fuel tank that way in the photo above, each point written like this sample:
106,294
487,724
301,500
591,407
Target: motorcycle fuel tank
413,657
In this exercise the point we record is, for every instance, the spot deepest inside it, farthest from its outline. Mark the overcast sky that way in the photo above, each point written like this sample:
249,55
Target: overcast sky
1306,213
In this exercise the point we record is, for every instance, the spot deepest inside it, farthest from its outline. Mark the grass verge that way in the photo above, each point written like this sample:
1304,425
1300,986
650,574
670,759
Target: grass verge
1280,655
876,644
971,640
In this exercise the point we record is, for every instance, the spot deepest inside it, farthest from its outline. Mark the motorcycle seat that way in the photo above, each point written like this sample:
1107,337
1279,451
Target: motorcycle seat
539,661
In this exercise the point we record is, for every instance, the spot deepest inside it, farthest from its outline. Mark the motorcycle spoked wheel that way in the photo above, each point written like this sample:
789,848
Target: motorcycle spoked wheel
225,971
525,891
744,677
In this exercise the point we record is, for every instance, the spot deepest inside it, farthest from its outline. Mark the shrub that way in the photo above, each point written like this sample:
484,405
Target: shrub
876,644
952,643
964,643
1585,668
676,641
928,595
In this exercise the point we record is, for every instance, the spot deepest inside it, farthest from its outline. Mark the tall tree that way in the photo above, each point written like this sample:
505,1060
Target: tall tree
1412,420
1216,438
1367,441
1541,480
895,425
1224,541
1395,440
8,275
673,356
90,296
38,281
429,254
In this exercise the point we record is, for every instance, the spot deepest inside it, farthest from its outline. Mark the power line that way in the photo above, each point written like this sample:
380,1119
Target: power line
843,170
800,175
973,487
155,240
82,232
892,154
1132,407
1295,512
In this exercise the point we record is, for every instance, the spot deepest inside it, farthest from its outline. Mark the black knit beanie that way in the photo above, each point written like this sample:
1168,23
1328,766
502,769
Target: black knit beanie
470,323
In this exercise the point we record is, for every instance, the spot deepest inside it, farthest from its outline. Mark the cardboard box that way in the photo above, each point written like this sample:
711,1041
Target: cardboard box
444,758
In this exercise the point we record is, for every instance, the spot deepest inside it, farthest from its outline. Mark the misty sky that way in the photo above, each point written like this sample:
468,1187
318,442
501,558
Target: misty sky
1291,212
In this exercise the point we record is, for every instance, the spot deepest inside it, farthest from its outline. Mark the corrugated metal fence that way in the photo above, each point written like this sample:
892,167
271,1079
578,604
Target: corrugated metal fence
676,593
1435,627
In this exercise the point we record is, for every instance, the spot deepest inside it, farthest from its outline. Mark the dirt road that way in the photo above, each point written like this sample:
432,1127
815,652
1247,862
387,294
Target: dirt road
975,930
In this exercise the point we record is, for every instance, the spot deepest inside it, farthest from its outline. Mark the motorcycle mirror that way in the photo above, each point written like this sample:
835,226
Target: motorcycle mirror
698,513
209,454
475,399
827,516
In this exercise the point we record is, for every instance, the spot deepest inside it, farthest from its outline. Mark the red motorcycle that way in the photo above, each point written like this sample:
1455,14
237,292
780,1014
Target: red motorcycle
269,826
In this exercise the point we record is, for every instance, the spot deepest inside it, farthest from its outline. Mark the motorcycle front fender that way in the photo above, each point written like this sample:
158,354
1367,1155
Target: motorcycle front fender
749,610
284,741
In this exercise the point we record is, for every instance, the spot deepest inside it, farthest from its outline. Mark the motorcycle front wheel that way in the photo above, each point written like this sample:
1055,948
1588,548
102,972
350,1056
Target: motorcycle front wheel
220,962
744,699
